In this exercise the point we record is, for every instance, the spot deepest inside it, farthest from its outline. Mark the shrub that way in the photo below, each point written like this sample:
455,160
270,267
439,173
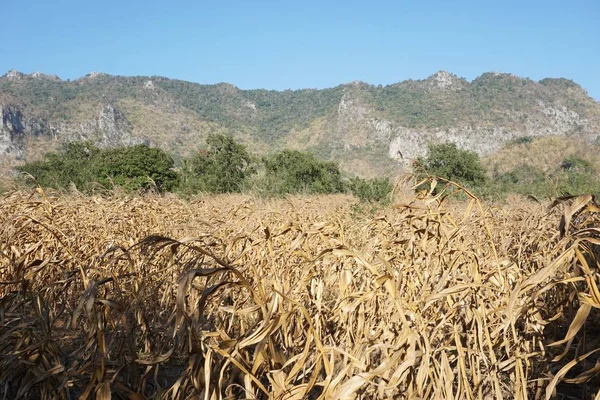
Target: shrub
574,182
75,163
137,168
223,167
522,140
576,163
573,178
447,161
83,164
524,180
292,171
371,190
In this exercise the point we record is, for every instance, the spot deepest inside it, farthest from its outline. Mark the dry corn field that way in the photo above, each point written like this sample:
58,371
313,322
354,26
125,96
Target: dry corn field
235,297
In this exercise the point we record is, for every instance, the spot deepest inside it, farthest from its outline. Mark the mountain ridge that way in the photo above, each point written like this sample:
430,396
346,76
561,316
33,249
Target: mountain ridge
369,129
13,73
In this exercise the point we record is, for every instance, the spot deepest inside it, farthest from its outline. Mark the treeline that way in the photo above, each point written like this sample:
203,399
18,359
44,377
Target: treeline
223,166
226,166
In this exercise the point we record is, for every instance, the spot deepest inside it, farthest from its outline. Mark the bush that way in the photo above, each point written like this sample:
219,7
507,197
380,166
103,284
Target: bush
447,161
292,171
575,163
575,183
572,178
371,190
223,167
83,165
74,164
524,180
137,168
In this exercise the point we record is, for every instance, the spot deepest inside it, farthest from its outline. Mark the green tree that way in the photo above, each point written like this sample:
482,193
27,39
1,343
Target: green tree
74,164
84,165
137,168
223,167
292,171
448,161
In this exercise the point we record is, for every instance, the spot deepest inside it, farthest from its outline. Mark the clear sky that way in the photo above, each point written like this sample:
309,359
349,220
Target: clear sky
279,44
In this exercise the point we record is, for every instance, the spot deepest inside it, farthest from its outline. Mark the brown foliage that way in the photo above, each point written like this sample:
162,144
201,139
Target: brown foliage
296,298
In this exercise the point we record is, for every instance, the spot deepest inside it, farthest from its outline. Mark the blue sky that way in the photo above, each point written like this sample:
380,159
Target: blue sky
276,44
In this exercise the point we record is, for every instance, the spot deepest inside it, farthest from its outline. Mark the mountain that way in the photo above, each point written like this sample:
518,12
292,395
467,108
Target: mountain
369,129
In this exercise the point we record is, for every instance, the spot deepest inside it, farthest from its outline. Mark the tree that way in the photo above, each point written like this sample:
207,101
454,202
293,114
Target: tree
292,171
74,164
137,168
223,167
447,161
83,164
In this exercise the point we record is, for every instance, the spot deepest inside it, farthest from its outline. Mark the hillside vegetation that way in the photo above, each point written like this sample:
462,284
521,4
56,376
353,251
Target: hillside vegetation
370,130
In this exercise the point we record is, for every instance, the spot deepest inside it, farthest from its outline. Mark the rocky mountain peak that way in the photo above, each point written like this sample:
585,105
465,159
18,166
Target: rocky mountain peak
13,74
39,75
444,80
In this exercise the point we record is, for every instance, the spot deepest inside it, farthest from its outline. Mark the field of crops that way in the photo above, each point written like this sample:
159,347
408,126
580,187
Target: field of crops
299,298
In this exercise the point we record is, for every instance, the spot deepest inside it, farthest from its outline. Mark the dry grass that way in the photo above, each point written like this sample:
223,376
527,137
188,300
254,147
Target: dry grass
302,298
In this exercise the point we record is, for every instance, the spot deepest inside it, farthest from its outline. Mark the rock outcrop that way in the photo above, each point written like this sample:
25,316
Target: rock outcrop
14,75
109,129
16,128
12,131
